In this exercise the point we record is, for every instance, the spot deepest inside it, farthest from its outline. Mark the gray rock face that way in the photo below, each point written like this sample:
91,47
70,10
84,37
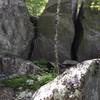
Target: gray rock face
90,46
87,45
91,89
6,94
44,46
11,66
70,62
80,82
16,31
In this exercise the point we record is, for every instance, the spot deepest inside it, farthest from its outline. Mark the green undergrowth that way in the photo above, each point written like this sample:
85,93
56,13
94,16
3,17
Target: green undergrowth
32,82
42,63
28,81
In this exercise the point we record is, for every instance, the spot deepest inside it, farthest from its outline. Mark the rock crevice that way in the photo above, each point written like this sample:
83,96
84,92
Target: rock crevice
78,30
34,21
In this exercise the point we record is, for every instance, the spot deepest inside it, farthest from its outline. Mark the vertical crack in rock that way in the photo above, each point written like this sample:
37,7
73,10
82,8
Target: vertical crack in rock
77,16
34,22
1,66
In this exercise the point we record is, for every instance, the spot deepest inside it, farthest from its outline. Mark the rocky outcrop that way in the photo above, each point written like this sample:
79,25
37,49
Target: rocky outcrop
34,21
90,44
11,66
10,94
6,94
77,39
44,45
80,82
16,31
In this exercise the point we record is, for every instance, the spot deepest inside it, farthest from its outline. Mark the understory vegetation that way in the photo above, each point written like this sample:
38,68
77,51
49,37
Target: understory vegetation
31,81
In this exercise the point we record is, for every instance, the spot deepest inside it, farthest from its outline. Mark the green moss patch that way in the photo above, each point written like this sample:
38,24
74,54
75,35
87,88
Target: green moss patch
42,63
32,82
28,81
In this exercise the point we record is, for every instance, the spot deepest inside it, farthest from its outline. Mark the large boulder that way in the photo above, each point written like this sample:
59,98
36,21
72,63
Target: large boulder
80,82
11,66
88,38
90,45
16,31
44,45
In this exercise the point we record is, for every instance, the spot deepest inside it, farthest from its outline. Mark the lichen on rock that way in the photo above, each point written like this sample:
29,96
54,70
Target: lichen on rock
71,84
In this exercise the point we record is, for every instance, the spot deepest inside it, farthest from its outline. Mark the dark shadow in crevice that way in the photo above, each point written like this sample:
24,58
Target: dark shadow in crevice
1,66
34,21
79,32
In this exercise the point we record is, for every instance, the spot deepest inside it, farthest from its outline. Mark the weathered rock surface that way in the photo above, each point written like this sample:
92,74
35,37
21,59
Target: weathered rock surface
6,94
89,40
24,95
81,82
44,45
14,66
70,62
89,45
10,94
16,31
